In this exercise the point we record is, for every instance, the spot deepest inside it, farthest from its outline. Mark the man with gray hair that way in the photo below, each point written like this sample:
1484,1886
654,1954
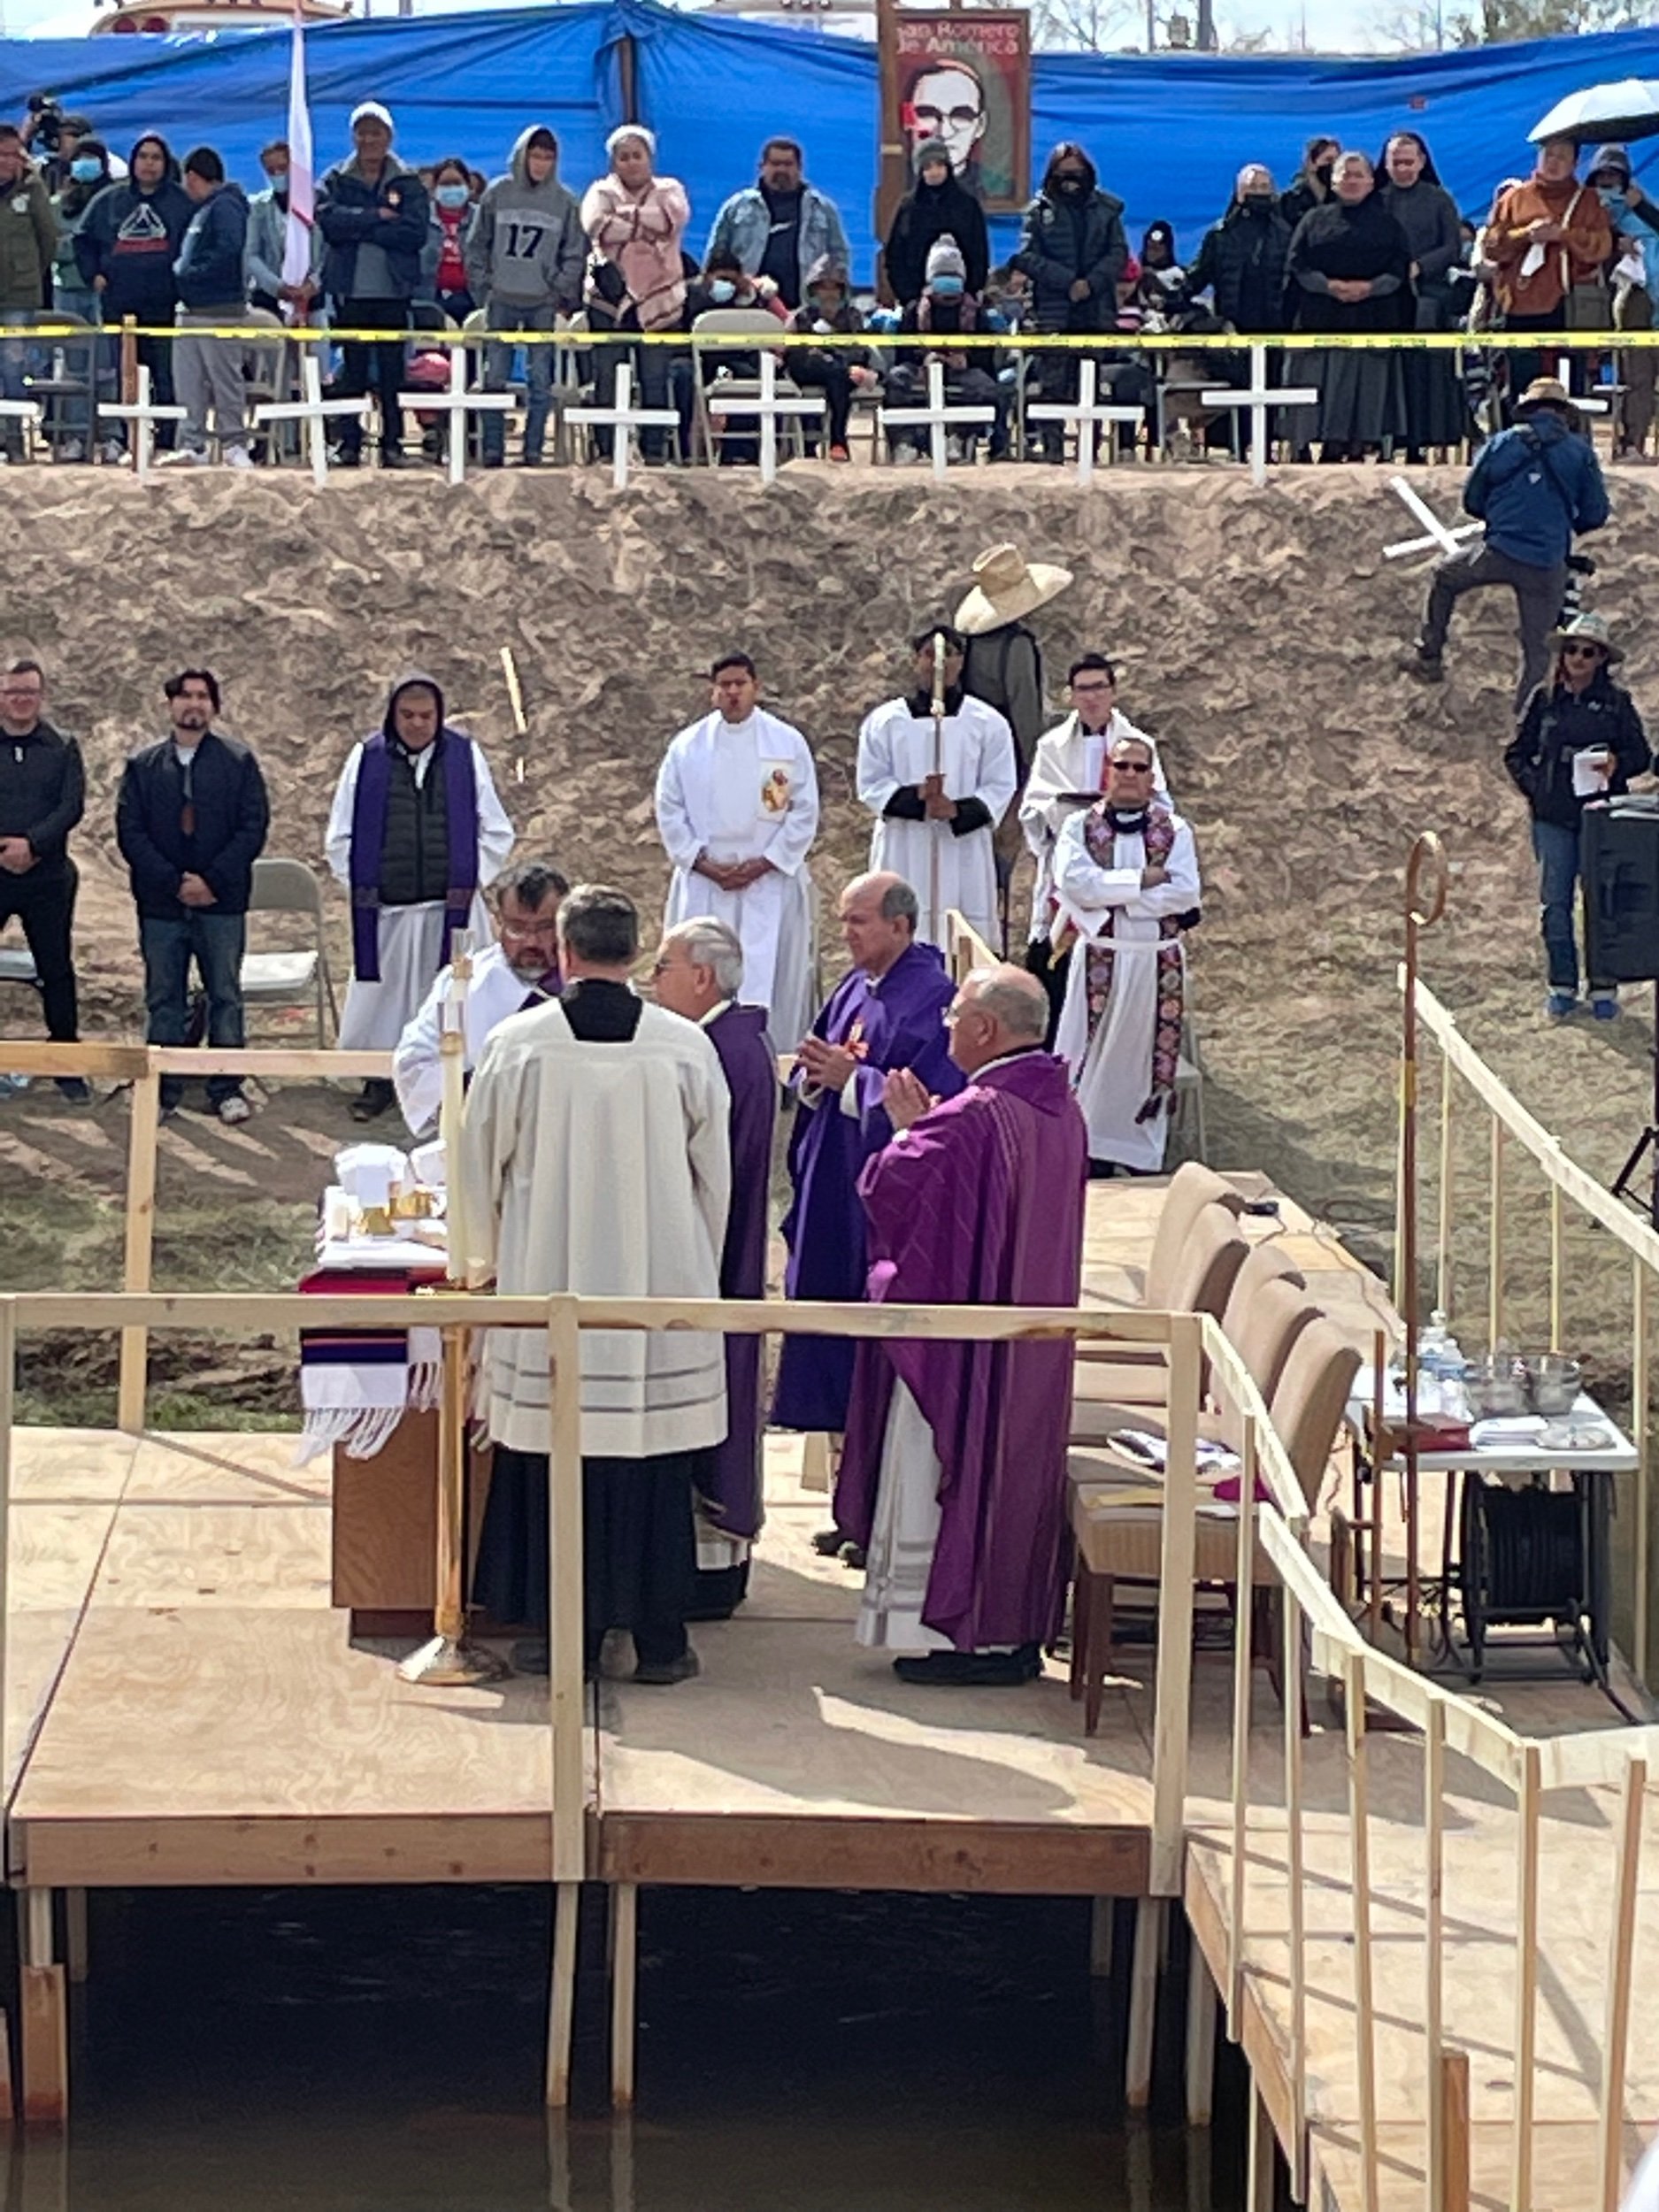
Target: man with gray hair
595,1160
888,1012
699,973
519,971
953,1479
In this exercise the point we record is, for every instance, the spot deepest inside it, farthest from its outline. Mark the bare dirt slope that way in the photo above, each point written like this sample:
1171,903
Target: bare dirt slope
1256,633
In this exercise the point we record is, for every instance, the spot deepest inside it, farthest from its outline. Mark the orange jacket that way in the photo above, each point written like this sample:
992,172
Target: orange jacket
1580,257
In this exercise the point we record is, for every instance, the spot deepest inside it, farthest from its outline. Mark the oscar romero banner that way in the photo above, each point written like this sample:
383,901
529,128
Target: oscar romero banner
965,79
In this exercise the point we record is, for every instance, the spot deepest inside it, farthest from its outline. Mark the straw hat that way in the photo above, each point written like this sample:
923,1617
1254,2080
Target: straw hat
1544,391
1005,586
1588,629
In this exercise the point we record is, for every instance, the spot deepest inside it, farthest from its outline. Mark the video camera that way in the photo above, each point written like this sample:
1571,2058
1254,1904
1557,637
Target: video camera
48,115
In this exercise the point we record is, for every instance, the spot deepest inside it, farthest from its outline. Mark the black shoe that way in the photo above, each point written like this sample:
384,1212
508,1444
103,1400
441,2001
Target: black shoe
347,457
664,1672
827,1543
973,1670
373,1100
495,461
1426,668
393,457
851,1555
75,1088
529,1656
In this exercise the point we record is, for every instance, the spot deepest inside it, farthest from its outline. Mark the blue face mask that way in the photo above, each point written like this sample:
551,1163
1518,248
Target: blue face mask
1610,196
946,287
86,169
722,289
452,196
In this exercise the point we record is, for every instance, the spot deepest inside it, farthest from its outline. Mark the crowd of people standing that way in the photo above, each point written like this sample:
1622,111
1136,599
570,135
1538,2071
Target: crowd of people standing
1350,247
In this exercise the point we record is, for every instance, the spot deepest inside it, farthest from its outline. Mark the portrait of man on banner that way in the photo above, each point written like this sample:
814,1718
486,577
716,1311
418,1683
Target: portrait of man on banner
965,79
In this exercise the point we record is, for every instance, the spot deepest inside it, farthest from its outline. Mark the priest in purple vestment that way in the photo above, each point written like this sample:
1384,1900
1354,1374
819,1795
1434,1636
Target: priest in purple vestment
699,973
887,1013
953,1475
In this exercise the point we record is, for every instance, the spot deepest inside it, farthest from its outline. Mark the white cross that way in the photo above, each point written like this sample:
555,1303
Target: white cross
1086,415
1259,397
770,408
936,416
1440,536
28,410
314,411
143,417
457,404
622,420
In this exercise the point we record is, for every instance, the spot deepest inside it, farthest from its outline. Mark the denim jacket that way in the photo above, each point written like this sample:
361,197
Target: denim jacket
742,225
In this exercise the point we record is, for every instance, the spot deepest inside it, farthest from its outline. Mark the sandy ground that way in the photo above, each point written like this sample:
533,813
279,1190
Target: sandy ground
1255,634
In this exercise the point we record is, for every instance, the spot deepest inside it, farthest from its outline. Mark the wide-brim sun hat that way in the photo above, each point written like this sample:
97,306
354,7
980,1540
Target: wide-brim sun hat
1007,585
1587,629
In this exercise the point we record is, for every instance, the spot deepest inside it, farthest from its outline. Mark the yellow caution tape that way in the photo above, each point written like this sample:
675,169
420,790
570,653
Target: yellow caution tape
1121,341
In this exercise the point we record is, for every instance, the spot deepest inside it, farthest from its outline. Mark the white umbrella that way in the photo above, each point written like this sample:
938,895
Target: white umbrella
1627,109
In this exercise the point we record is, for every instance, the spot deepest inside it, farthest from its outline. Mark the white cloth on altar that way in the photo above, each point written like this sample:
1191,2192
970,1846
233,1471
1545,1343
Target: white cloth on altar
899,1556
494,990
977,759
604,1169
410,937
1111,1065
747,791
1068,760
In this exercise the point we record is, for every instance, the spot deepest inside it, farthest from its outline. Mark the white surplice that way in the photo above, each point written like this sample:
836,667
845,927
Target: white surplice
1111,1064
494,991
604,1169
903,1537
976,757
1069,762
747,791
410,938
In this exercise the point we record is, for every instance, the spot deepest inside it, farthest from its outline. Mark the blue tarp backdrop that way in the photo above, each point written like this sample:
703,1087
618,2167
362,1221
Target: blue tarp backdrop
1169,131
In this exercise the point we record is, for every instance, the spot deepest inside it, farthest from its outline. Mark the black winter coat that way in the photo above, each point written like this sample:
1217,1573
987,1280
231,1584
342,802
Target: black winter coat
1559,723
43,796
1241,262
1058,244
232,815
348,214
926,213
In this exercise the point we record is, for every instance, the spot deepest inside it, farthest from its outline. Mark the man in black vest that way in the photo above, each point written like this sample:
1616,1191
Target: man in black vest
191,821
43,796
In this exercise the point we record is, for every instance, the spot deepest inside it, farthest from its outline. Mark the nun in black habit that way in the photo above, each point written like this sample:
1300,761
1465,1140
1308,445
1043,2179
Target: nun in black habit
1349,275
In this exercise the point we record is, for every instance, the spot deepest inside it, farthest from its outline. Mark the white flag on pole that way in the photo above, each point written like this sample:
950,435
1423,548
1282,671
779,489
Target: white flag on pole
297,247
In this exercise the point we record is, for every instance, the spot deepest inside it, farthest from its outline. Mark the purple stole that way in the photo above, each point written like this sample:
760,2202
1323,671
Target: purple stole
1159,838
455,765
546,986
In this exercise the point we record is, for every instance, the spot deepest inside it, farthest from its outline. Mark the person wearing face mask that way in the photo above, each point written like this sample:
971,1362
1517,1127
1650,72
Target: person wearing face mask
88,172
723,284
947,309
1073,248
443,260
1312,186
938,205
1630,281
1242,260
268,240
1437,413
838,372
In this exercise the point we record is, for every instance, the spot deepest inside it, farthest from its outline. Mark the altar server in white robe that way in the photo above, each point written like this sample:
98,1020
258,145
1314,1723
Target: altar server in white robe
737,807
596,1159
519,970
938,792
1125,879
1069,771
415,835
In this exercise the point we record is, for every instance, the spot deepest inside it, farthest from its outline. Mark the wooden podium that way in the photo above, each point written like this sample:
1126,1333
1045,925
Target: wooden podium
385,1532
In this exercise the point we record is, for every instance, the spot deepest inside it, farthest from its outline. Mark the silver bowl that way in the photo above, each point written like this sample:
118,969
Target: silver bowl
1493,1388
1553,1382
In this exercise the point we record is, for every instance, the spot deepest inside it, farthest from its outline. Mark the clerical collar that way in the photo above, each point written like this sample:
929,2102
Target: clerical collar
921,702
1006,1059
594,983
708,1020
1126,821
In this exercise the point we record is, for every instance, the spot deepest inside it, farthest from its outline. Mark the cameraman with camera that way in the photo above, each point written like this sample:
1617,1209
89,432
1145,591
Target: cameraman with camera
50,137
1536,487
